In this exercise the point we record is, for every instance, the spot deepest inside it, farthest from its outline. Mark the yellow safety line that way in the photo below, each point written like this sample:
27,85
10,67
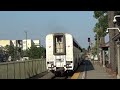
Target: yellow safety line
75,75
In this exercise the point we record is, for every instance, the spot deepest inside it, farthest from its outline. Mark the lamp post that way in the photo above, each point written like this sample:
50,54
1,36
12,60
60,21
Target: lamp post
117,16
112,29
26,40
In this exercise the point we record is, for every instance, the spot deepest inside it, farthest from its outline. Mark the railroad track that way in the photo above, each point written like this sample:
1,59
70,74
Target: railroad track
60,77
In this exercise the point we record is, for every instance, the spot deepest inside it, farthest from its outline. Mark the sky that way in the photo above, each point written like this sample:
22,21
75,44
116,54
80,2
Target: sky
38,24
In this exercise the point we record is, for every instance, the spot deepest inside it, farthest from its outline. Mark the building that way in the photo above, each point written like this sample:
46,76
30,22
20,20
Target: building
27,43
17,43
14,42
36,43
3,43
114,42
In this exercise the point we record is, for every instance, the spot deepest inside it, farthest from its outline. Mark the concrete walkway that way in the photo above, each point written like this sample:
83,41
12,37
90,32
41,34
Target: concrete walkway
95,71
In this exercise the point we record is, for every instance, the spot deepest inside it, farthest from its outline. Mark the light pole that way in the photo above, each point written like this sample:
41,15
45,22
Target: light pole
112,29
26,40
117,16
97,45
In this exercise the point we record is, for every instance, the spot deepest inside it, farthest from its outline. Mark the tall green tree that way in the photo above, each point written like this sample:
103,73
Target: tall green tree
101,25
36,52
100,28
9,50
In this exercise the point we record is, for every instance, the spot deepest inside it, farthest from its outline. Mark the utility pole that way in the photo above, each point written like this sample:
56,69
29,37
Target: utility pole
26,40
97,46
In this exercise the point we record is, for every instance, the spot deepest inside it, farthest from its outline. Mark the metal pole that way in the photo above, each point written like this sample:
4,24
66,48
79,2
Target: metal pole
118,75
100,56
97,46
109,54
26,40
103,58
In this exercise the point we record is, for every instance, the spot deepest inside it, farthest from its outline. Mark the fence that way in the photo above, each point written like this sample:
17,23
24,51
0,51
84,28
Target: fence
22,69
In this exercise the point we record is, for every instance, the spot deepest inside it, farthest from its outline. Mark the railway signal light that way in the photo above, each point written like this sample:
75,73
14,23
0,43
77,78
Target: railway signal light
88,39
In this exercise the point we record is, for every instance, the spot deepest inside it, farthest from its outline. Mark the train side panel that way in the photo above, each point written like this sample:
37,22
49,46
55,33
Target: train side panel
49,51
77,57
69,52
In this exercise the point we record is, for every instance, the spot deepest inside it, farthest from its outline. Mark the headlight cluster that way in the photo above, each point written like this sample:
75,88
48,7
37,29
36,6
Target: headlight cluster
50,62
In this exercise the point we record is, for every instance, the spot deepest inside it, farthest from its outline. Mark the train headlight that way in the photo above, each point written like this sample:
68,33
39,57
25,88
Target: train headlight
50,62
67,65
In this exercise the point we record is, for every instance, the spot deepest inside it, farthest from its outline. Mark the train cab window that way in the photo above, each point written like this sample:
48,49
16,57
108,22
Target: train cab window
59,44
59,39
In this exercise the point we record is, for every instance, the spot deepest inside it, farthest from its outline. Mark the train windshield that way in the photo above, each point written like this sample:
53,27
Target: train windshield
59,44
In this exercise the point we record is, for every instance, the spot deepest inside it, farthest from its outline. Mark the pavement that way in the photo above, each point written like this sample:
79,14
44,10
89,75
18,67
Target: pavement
90,70
98,72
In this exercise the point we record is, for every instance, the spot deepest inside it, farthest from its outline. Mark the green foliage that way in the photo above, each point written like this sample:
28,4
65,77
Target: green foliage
9,50
100,28
98,14
36,52
33,53
94,50
102,24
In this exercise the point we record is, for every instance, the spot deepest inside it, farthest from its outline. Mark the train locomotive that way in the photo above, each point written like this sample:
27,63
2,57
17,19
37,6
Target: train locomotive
63,53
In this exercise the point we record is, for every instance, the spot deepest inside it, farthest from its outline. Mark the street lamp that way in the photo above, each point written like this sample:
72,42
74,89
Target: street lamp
112,29
114,20
26,41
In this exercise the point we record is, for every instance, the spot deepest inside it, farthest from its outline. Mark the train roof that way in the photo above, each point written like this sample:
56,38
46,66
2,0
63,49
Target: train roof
59,33
69,34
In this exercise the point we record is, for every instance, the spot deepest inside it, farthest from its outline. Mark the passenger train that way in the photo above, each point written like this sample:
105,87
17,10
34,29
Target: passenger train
63,53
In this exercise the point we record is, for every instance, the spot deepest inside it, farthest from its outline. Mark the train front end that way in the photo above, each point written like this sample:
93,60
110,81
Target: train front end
56,53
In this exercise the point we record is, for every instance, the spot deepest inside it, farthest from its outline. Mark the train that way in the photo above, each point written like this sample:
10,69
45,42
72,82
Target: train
63,53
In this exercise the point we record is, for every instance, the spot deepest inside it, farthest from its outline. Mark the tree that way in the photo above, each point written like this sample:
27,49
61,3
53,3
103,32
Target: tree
10,51
43,52
100,27
36,52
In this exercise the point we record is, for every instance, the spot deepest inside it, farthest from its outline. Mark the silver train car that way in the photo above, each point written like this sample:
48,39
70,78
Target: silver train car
63,53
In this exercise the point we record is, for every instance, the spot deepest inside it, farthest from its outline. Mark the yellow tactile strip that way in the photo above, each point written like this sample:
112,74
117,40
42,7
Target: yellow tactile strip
75,75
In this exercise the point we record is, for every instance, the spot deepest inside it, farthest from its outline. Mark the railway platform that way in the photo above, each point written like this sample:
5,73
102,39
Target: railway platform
98,72
90,70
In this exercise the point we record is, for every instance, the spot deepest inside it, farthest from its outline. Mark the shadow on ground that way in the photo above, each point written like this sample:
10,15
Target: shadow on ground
39,75
85,65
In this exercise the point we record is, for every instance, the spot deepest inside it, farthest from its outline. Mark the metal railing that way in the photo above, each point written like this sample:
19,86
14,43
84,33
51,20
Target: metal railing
22,69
